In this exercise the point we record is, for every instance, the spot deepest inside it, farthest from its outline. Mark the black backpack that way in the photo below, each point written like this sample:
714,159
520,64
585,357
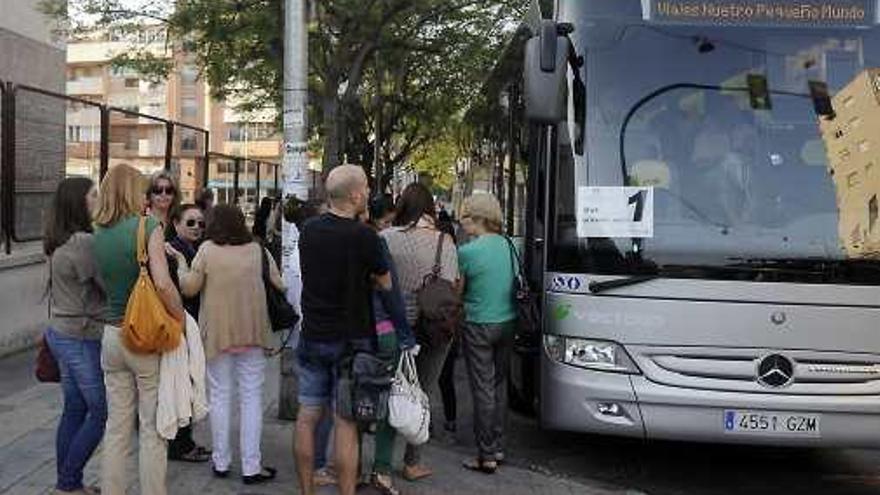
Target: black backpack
364,387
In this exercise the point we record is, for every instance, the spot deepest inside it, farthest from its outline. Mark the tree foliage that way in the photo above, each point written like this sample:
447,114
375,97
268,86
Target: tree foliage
418,63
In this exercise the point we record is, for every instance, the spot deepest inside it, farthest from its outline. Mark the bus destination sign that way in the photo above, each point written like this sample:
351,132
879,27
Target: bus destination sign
784,13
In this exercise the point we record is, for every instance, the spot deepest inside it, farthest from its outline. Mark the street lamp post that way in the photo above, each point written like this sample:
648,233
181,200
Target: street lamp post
295,168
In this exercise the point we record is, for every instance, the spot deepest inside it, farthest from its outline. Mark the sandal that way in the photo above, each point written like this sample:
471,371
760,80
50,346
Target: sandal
415,473
324,477
196,455
480,466
267,474
382,483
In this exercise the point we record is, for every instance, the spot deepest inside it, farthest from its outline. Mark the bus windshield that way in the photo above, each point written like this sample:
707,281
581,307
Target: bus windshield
748,182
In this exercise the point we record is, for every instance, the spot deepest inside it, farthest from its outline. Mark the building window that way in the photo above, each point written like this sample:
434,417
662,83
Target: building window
852,180
73,133
258,131
189,108
189,74
131,82
188,143
189,140
864,146
83,134
127,72
131,141
838,133
130,108
872,213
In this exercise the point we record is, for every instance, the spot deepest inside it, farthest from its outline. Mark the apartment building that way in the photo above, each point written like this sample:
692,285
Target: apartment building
852,140
30,55
182,97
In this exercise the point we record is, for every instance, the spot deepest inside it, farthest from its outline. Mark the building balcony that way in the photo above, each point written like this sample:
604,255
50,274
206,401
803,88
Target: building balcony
86,87
266,150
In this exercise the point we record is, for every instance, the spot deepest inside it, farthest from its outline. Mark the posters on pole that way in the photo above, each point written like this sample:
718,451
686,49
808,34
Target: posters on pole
294,166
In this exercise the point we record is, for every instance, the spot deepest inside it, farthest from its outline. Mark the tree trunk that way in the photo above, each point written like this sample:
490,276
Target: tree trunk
333,118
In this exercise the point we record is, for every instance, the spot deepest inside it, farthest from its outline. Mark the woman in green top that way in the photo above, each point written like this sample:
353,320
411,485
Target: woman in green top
132,380
486,265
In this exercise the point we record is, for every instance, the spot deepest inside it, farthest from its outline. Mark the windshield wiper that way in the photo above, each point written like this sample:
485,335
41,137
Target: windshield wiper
605,285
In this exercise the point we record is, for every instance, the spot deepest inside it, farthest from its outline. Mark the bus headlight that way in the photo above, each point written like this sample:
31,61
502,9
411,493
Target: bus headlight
599,355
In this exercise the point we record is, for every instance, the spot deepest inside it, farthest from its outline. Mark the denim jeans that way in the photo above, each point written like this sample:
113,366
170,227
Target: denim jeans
316,364
85,405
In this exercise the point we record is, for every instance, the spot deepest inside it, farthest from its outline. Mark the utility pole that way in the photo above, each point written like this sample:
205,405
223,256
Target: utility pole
295,170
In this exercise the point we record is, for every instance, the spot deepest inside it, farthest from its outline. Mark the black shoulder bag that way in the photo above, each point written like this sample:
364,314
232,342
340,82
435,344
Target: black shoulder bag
282,315
528,315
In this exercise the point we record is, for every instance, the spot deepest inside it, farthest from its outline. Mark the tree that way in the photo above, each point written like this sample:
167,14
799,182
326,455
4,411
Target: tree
438,159
432,56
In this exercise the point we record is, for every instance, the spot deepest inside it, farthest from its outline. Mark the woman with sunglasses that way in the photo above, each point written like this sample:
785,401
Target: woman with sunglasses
188,228
162,197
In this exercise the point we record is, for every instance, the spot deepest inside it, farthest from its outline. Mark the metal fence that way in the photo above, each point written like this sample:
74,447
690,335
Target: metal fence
47,136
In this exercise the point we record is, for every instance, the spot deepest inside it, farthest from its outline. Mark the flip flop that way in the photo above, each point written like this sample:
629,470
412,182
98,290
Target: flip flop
480,466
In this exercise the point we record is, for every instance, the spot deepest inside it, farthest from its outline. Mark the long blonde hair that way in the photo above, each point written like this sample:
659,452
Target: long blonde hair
121,195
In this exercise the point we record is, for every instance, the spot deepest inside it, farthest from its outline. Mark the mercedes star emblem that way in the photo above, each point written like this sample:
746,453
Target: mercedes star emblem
775,371
778,318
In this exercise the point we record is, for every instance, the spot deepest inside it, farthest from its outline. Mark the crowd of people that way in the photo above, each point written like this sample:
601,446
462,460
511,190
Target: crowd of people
364,262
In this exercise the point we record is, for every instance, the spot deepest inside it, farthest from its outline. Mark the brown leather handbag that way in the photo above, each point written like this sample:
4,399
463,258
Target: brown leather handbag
46,369
148,328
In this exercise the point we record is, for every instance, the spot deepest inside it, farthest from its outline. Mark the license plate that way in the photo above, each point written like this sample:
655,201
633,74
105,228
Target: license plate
773,423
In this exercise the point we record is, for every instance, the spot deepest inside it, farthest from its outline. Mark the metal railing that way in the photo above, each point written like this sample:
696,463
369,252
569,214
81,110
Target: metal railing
46,136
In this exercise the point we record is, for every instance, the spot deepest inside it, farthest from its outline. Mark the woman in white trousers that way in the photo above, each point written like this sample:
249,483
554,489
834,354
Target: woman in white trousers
234,321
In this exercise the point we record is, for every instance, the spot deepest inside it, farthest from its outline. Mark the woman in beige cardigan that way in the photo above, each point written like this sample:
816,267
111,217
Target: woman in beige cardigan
234,322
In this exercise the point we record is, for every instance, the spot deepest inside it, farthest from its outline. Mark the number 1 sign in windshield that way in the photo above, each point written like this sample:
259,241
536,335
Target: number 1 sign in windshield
615,212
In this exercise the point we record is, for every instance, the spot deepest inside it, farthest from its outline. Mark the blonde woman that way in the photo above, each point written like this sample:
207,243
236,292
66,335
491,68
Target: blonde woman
132,380
487,268
162,196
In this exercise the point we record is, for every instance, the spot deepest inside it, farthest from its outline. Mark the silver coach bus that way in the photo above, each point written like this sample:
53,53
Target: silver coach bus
707,219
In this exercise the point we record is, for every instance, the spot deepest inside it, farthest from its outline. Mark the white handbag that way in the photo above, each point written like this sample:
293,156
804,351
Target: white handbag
409,410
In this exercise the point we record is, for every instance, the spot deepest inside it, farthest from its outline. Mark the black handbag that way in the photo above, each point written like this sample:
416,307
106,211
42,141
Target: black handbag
528,314
282,315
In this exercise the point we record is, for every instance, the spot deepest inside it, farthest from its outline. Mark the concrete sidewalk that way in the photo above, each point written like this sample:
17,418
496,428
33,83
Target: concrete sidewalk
29,414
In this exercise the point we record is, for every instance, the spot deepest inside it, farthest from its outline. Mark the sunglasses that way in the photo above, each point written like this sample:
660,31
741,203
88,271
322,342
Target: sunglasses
192,223
167,190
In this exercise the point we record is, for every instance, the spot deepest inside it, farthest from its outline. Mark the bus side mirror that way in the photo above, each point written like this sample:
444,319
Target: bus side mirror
544,78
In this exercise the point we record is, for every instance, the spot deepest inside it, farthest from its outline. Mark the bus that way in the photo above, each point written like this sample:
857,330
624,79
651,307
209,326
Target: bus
703,220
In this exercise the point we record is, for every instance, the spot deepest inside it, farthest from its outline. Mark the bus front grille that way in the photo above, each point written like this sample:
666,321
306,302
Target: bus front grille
813,373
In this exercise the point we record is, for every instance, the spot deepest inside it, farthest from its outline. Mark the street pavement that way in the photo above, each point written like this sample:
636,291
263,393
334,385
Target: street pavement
540,462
